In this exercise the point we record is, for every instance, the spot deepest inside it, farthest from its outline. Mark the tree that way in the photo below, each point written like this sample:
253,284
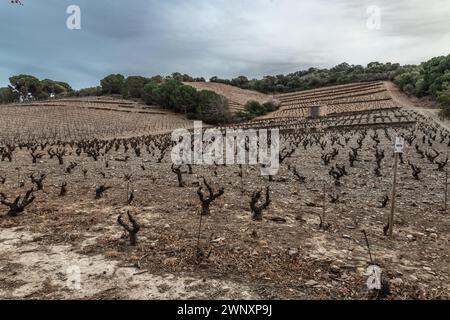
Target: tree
50,86
427,79
165,93
87,92
26,84
444,95
185,99
133,86
444,99
65,85
150,93
436,73
180,77
112,84
212,108
240,81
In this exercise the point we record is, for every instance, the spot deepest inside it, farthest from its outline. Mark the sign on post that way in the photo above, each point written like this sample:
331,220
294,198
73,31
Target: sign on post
399,145
398,149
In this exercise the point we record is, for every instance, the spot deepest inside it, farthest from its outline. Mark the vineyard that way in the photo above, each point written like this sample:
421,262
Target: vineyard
89,185
78,119
334,100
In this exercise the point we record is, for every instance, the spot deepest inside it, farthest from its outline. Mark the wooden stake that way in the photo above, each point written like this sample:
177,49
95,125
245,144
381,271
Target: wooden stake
446,185
393,197
324,204
446,189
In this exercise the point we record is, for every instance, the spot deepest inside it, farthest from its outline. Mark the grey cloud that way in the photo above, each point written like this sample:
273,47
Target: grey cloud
213,37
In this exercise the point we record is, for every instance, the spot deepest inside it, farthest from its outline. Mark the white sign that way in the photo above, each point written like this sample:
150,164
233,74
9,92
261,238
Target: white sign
399,145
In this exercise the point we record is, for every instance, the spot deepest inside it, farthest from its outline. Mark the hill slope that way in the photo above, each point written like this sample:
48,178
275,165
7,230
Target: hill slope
236,96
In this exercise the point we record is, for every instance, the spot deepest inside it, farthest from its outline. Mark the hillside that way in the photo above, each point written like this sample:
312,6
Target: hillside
237,97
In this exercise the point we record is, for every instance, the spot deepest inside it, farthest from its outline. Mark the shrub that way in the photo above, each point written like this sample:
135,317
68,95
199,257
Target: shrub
256,109
242,116
6,95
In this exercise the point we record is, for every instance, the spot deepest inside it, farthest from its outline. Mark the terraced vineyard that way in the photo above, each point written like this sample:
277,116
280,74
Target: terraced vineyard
334,100
76,119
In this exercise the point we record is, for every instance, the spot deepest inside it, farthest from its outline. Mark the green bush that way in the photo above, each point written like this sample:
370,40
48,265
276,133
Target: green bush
243,116
270,106
255,108
6,95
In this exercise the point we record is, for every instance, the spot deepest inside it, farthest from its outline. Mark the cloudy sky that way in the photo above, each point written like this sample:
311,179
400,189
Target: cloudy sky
226,38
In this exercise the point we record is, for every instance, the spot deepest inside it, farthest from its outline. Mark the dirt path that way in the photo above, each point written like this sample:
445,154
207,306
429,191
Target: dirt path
414,104
29,269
